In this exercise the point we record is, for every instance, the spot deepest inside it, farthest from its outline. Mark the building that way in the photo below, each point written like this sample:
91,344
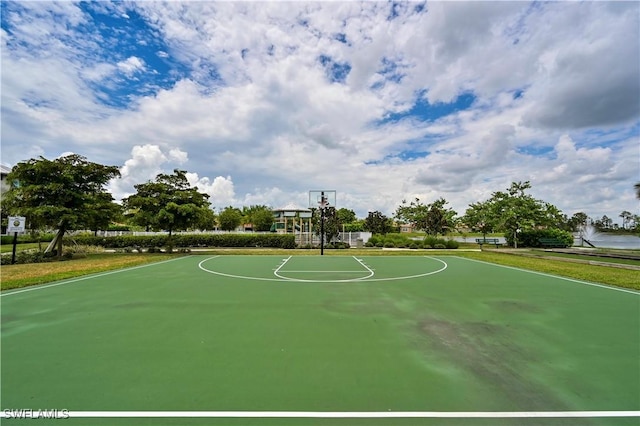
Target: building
4,171
291,219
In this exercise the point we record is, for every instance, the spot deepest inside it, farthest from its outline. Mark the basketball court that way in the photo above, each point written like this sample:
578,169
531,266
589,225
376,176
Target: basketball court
331,340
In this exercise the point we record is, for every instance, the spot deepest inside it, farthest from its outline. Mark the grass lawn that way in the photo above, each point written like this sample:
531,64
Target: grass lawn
22,275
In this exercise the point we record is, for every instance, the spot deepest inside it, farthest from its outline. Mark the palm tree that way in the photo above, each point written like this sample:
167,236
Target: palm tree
637,186
626,218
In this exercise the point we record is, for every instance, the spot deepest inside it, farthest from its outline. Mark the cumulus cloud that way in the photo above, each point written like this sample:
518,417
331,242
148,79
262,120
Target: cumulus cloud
146,162
592,81
302,96
131,65
220,190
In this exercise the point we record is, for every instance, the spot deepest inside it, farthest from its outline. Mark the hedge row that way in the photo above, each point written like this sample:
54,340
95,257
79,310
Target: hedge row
531,238
27,238
31,257
402,241
188,240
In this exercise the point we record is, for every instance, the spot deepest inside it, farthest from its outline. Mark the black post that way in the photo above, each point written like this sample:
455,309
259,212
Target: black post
322,231
15,242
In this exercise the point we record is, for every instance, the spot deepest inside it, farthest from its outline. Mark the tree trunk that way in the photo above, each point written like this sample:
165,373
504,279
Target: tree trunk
61,232
56,243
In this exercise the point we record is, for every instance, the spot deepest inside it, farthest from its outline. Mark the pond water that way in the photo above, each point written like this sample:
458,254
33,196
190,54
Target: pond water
597,239
612,241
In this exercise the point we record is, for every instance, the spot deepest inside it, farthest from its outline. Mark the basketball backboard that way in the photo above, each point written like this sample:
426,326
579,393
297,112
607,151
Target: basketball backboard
322,198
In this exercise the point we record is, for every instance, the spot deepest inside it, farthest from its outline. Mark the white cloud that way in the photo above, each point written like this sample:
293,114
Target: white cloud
131,65
178,156
146,162
220,190
255,118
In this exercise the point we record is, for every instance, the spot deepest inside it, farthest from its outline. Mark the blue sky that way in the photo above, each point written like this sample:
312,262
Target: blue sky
382,101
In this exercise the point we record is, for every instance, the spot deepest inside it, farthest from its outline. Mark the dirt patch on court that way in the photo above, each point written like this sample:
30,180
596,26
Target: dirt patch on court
487,352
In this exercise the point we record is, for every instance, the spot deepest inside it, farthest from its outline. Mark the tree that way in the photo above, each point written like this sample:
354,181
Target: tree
346,216
578,222
478,217
603,224
378,223
261,217
637,188
230,218
514,210
357,225
432,218
208,220
440,219
67,193
169,204
103,213
331,223
626,218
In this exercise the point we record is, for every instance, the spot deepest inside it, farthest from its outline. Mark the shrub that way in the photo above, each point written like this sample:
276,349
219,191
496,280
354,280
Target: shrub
190,240
389,244
123,228
531,238
397,239
26,257
27,238
452,244
429,241
439,246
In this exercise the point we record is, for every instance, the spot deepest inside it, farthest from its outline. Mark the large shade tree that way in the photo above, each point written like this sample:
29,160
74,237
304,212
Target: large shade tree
346,216
433,218
478,217
67,193
259,216
230,218
513,211
377,223
169,204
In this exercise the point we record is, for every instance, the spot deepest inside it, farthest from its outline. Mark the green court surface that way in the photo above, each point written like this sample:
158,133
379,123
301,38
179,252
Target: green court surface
310,340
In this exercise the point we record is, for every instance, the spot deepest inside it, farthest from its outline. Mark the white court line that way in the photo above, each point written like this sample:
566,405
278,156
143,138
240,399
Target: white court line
552,276
346,415
321,271
278,273
353,280
360,261
86,277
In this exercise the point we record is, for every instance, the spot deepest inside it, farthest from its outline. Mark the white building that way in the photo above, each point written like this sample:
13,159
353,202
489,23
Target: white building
4,171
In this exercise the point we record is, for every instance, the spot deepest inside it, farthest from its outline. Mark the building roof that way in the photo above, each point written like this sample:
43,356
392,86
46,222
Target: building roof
4,170
292,208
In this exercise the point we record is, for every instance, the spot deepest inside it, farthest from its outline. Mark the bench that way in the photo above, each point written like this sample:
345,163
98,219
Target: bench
551,242
482,241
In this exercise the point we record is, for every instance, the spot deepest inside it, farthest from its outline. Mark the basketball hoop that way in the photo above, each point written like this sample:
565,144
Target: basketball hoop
322,200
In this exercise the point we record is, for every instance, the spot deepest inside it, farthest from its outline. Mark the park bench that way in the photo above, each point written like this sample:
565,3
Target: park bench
551,242
482,241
